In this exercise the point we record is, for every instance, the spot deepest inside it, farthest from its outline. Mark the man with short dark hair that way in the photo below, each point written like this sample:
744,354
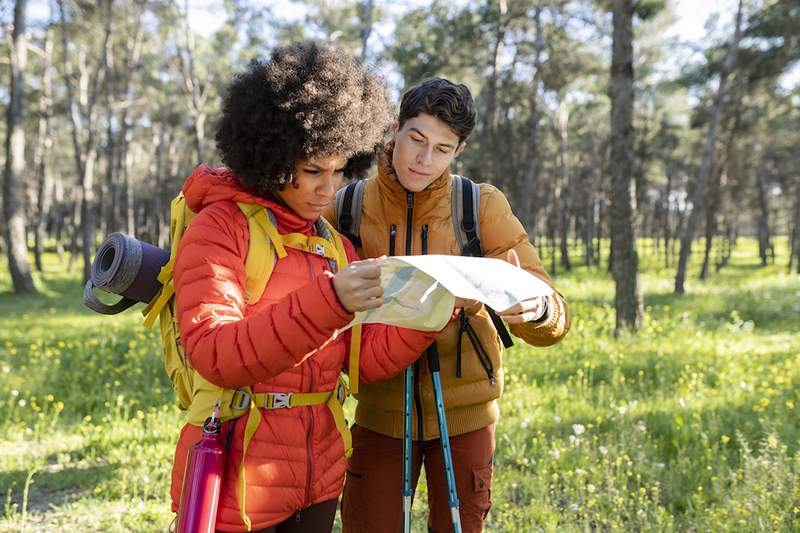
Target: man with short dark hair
407,210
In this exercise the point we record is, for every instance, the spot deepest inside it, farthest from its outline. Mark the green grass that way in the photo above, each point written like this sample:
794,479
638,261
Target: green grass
689,425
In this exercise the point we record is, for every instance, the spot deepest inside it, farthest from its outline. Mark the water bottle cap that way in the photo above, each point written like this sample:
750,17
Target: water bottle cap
211,425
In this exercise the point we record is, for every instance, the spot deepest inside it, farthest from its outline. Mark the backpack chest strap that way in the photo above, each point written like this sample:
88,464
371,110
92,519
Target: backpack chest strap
311,244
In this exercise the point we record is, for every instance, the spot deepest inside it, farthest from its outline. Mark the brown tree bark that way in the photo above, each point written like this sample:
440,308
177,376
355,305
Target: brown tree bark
625,267
367,18
795,248
13,187
531,176
563,196
765,249
82,113
44,145
709,148
195,91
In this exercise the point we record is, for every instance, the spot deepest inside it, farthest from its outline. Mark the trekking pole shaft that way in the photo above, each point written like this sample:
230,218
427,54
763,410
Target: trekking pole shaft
452,495
408,384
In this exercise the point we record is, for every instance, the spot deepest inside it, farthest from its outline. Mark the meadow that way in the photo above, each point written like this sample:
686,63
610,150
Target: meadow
689,425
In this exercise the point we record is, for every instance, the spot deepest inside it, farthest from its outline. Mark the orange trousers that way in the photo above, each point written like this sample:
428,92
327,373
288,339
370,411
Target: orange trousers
372,500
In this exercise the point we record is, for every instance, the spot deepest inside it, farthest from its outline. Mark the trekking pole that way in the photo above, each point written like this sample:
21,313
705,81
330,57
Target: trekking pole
407,393
452,495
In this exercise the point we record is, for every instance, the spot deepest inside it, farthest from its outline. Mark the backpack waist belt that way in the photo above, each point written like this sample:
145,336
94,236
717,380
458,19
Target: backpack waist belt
242,400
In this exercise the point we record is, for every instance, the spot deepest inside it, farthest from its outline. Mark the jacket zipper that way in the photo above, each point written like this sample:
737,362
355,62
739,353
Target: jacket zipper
417,369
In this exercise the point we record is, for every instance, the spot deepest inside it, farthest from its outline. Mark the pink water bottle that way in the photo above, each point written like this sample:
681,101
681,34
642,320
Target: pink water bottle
201,482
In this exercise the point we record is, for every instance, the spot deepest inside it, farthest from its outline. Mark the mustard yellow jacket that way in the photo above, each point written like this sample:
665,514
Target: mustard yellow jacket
390,213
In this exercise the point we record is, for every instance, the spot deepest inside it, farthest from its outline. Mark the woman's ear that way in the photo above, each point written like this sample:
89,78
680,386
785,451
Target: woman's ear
395,129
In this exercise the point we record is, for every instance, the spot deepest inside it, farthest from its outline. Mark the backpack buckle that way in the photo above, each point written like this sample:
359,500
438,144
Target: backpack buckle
279,400
240,400
317,248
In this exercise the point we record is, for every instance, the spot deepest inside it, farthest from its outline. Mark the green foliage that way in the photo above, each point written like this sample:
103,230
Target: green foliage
692,424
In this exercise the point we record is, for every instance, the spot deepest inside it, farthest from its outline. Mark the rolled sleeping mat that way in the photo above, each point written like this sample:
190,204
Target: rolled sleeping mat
127,267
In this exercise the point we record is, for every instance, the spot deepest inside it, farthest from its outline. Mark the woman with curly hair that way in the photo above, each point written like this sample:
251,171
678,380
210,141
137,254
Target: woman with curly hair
292,128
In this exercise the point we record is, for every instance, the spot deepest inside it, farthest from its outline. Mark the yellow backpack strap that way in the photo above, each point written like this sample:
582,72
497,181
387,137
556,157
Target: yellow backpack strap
341,253
355,335
253,421
355,351
180,215
265,242
313,244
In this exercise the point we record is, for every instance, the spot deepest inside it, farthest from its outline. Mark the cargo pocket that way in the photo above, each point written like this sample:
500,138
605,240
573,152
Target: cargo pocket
482,485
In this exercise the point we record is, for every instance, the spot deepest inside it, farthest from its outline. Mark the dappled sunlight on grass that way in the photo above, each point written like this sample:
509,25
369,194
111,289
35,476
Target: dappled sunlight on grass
690,424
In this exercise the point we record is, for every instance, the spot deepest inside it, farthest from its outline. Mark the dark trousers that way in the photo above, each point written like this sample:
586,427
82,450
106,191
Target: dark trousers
316,519
372,501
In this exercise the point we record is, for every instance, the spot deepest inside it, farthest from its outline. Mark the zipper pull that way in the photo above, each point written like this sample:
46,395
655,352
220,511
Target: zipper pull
392,238
424,239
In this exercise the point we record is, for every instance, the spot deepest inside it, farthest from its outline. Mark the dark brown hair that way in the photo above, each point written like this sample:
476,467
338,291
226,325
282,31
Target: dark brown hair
306,100
450,102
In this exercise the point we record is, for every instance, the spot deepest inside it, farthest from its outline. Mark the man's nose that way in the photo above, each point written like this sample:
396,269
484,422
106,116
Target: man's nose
425,156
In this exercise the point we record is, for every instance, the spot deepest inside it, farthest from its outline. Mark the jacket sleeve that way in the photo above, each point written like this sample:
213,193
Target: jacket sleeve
228,345
502,231
386,350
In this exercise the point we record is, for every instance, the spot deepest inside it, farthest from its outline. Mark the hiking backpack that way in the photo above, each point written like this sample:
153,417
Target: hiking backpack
465,202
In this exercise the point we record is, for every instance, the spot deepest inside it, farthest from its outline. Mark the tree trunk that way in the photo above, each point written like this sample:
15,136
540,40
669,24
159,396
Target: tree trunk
83,123
44,144
764,241
13,184
667,208
796,230
367,6
531,177
60,212
195,91
628,299
709,147
712,207
563,198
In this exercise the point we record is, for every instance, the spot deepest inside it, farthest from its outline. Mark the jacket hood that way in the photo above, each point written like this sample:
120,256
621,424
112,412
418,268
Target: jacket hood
207,185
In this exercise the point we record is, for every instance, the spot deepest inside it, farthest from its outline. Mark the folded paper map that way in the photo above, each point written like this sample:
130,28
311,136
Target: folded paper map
419,291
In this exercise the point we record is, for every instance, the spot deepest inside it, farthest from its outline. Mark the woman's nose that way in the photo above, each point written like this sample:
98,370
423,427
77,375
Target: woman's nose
327,186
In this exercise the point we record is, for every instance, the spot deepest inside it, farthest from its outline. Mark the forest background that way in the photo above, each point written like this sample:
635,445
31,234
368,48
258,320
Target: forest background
655,167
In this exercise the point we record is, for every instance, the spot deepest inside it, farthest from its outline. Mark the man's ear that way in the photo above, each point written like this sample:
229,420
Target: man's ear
395,129
460,148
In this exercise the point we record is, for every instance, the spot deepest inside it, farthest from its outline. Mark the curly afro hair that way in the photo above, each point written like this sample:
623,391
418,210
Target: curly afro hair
307,100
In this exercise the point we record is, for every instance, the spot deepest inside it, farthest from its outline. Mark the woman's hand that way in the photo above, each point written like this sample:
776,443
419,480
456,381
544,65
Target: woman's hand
358,286
526,310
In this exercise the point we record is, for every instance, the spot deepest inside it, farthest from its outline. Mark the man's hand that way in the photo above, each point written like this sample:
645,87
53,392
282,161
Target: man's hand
358,286
466,303
527,310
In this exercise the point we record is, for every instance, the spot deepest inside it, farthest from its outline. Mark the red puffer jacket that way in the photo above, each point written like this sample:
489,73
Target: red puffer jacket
284,343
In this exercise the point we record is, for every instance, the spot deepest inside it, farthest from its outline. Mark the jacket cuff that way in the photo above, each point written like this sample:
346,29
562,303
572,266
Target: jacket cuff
550,329
325,284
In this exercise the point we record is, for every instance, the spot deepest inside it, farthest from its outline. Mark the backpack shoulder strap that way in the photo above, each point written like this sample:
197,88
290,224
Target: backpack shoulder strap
265,244
179,215
349,200
355,338
466,207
